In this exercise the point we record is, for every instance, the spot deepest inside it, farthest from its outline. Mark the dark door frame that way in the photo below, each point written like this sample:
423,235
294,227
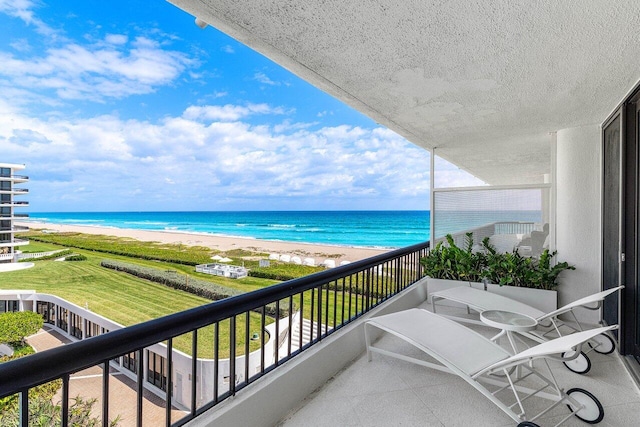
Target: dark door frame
628,311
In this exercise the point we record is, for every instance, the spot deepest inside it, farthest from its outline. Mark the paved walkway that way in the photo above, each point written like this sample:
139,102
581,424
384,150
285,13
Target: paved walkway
122,389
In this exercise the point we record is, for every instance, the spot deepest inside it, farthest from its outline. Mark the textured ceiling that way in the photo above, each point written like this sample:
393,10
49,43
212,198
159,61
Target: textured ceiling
484,82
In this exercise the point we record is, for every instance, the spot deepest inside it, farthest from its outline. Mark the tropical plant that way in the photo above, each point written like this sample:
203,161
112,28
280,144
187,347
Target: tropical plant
487,264
455,263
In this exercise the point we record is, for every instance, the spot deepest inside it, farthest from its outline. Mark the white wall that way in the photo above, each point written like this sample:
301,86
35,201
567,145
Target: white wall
578,213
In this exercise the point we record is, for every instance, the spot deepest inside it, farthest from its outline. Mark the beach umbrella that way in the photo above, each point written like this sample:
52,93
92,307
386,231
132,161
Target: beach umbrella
216,257
225,259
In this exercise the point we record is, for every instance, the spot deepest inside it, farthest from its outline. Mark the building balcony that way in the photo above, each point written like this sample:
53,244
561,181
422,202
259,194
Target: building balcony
14,242
17,178
315,376
15,203
14,229
14,216
17,191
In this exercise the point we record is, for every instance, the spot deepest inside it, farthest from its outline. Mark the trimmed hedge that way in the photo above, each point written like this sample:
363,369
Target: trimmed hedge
201,288
76,257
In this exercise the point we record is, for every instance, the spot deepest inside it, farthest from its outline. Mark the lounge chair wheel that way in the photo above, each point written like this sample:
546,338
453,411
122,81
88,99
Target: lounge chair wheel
528,424
604,344
579,365
592,413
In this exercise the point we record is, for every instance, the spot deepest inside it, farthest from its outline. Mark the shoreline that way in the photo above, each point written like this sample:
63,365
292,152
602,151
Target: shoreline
220,243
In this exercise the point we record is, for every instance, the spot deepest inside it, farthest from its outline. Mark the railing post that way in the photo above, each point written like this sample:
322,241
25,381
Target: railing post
105,394
169,388
24,408
65,400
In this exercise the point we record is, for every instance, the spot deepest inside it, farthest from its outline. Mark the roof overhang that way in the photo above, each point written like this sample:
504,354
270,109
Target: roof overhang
484,82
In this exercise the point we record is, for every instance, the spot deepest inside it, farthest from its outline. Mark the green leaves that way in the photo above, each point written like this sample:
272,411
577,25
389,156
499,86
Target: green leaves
511,268
14,327
454,263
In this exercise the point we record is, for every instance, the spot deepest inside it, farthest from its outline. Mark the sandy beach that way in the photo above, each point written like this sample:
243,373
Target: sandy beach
221,243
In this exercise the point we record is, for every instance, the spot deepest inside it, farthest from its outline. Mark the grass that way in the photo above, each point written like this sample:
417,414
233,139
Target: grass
128,300
117,296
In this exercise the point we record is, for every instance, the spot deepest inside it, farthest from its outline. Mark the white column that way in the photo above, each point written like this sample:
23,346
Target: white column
578,212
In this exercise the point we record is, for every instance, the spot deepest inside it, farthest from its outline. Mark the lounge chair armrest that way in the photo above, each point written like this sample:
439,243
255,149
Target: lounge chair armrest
582,302
547,349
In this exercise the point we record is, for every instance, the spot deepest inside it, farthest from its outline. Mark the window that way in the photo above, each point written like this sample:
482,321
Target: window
48,311
91,329
63,314
129,361
76,325
157,370
6,306
5,172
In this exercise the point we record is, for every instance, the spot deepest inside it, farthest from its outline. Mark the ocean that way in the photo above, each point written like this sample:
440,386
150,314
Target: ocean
375,229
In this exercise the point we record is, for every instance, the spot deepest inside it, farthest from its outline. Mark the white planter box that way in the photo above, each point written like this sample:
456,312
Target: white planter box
541,299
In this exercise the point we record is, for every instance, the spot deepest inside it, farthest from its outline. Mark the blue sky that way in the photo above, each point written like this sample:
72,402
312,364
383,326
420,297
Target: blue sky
129,106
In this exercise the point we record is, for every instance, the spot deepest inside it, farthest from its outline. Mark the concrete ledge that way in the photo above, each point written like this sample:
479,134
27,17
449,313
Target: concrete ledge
272,397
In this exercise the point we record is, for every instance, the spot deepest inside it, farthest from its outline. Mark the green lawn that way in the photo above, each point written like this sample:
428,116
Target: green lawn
117,296
129,300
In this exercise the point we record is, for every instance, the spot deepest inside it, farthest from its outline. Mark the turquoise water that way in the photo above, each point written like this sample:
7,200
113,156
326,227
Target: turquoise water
379,229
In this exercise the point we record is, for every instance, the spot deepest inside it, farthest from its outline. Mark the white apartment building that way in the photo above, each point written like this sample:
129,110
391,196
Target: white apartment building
9,190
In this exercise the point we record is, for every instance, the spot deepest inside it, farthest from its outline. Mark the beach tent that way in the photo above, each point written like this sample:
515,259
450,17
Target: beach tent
285,258
309,261
225,259
329,263
296,260
216,257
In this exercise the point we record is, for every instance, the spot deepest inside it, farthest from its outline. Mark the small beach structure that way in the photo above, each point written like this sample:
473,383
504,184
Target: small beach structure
224,270
329,263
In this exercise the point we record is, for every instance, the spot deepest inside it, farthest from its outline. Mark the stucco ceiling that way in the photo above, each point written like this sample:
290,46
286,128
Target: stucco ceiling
485,82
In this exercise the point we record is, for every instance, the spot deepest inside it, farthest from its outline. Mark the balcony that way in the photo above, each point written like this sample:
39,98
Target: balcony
271,385
389,391
14,229
331,301
14,191
14,242
14,216
19,178
14,203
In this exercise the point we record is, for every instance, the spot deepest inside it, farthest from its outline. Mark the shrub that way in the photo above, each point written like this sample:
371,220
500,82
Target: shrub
76,257
511,268
185,283
15,326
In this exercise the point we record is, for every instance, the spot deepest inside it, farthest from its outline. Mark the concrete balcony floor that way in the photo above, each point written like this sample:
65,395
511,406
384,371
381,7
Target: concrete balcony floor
389,391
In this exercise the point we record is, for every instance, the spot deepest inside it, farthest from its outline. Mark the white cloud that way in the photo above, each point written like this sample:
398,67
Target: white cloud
227,49
22,9
94,71
116,38
229,112
132,164
264,79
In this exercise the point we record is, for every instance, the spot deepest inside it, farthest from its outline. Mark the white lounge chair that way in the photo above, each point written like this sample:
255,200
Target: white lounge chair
478,360
479,300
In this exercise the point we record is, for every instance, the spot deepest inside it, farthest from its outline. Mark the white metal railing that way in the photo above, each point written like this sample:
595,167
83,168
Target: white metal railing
32,255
